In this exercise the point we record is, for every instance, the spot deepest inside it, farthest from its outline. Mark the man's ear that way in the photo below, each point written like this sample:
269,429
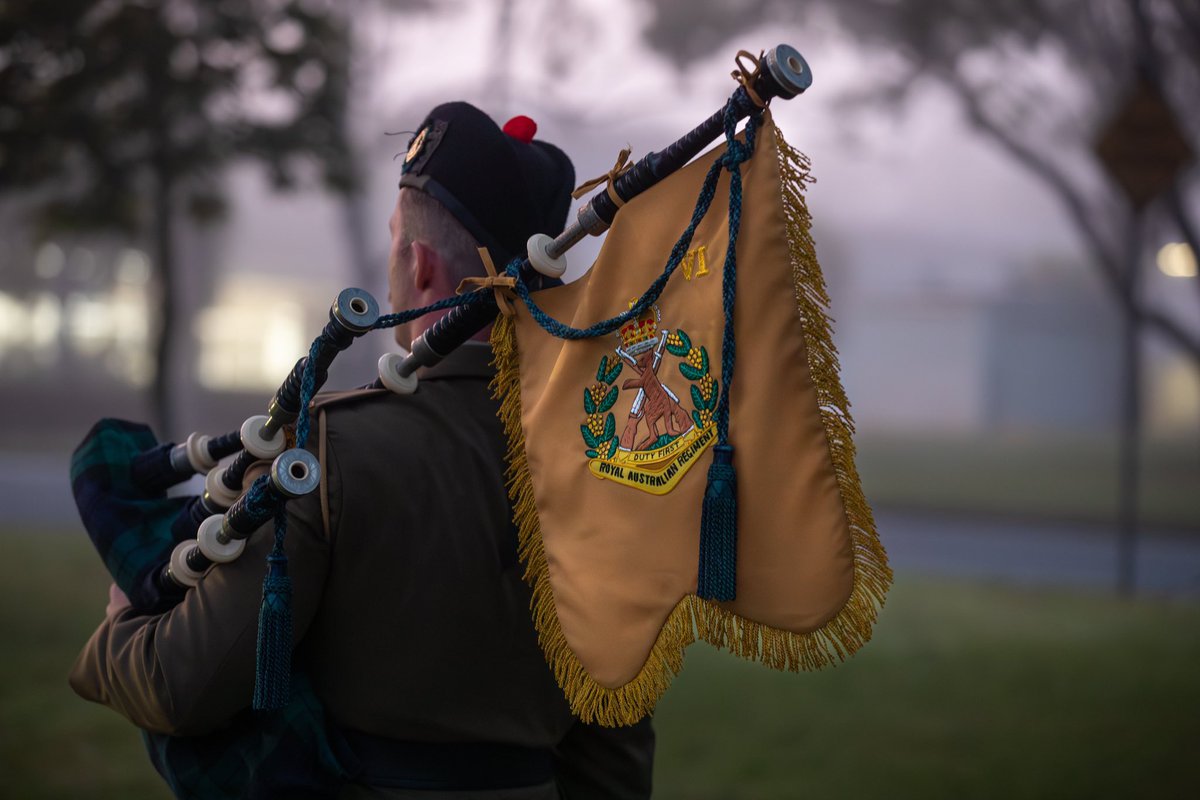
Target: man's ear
426,265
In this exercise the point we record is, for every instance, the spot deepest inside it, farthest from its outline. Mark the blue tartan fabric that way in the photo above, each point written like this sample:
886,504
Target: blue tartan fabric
289,753
130,528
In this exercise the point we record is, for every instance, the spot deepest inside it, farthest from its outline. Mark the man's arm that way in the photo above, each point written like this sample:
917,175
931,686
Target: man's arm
595,763
192,668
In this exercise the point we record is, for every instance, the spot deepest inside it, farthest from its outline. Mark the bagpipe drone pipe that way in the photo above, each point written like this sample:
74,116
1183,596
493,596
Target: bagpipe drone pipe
776,558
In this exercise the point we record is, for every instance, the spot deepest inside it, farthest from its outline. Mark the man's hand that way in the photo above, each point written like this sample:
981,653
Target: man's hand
117,600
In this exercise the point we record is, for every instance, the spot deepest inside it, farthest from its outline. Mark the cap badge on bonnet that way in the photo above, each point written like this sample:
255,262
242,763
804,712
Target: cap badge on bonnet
520,127
421,148
414,148
500,183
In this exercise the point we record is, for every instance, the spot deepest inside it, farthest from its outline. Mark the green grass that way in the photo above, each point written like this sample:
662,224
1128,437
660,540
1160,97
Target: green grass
1039,476
53,590
968,691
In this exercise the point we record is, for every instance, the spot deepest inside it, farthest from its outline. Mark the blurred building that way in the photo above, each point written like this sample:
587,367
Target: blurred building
1052,355
913,363
78,319
1039,353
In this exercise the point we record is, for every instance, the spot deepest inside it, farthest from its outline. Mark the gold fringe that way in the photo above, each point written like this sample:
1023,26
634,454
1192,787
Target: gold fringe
589,701
693,617
851,628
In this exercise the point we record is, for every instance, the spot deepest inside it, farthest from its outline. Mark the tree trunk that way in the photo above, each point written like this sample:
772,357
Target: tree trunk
355,214
161,394
1131,416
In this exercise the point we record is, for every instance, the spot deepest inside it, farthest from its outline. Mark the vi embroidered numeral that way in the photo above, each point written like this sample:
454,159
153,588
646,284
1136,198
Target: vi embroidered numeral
694,264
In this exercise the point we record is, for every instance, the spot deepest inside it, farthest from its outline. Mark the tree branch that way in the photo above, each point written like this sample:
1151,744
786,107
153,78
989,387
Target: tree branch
1172,330
1175,202
1189,18
1108,264
1033,161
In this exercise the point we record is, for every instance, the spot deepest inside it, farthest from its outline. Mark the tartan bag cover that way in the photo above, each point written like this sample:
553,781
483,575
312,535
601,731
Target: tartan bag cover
130,528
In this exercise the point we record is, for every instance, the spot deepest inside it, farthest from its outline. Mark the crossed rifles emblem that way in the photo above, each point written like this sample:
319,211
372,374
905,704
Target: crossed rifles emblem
655,404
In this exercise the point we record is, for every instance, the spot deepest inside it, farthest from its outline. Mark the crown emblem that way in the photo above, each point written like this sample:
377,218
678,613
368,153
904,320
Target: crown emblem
640,334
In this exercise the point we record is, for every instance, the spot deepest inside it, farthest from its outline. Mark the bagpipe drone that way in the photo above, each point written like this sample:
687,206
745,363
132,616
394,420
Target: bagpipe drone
624,381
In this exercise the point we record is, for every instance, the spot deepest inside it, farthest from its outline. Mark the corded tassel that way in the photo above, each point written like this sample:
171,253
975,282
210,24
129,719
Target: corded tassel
718,529
272,680
717,578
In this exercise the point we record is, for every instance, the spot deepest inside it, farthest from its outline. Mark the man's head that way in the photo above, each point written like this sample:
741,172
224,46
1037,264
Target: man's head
431,252
467,183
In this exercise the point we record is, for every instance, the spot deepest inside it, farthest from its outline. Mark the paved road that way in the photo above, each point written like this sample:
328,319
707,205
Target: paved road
34,489
1036,552
34,493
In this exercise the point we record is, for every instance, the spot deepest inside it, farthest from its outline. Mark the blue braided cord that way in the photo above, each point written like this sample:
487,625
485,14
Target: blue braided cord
401,317
736,152
308,387
280,529
258,502
563,331
273,655
717,568
273,652
308,380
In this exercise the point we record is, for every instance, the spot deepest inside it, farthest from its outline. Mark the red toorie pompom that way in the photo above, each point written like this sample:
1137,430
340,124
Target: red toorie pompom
521,128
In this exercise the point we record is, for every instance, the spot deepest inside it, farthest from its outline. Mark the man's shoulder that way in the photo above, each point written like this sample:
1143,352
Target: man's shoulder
436,404
363,409
378,432
349,398
357,416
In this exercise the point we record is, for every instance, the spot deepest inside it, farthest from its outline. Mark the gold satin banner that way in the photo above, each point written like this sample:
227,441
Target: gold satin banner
610,441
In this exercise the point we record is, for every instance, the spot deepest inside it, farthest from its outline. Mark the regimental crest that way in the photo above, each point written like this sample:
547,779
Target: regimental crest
659,438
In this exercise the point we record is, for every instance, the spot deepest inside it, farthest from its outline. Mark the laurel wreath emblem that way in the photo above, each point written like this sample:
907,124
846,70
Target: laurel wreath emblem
694,367
600,428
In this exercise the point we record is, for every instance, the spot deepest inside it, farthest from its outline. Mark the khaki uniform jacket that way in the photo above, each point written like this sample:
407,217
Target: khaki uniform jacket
410,612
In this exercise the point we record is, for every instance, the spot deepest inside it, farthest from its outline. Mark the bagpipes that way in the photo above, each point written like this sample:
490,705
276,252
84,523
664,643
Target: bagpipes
775,558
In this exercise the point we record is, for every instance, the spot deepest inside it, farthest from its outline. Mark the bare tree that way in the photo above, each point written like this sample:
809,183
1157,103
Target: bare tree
1039,79
1036,77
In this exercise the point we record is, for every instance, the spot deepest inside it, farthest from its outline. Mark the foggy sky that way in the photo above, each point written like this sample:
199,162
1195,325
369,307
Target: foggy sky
917,194
900,203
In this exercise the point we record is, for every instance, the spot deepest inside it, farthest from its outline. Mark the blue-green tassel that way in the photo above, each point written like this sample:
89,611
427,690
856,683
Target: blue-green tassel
273,673
718,529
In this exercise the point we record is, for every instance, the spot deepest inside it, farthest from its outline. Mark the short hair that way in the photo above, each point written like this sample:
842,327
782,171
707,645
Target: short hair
427,220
